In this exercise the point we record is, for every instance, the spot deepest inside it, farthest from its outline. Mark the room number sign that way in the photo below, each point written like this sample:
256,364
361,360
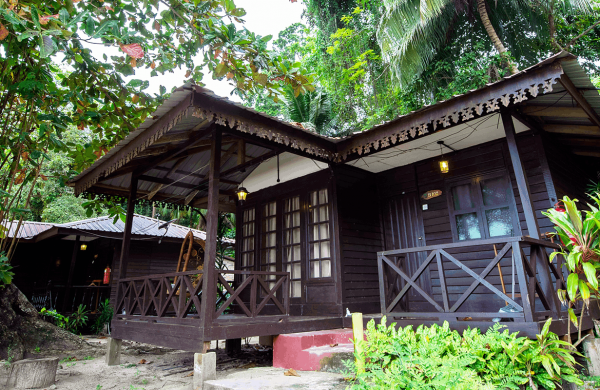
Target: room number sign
431,194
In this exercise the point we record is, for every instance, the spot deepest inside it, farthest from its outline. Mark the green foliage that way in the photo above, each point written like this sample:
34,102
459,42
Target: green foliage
437,358
106,314
72,323
6,274
579,236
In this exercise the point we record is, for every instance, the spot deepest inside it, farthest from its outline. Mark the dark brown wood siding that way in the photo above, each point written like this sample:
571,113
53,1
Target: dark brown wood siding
476,161
360,237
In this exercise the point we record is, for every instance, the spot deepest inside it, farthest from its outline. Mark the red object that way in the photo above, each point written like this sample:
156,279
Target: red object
134,50
304,351
106,275
558,208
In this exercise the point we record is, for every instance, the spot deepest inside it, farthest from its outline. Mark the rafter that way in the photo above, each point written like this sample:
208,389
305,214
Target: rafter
584,104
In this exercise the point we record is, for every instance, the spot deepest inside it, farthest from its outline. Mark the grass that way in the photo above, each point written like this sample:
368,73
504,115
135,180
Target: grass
595,380
68,359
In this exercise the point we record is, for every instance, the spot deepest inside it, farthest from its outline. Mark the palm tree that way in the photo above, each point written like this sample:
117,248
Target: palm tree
311,109
411,32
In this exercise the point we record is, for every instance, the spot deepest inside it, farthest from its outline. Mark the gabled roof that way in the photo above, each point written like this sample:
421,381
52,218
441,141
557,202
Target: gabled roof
172,147
95,227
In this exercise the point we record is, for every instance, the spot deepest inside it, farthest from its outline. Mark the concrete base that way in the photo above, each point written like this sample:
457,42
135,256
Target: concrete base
274,379
113,352
205,369
266,341
591,348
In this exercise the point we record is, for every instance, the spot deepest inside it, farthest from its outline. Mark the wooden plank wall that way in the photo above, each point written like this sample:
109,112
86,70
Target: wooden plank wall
146,258
360,238
424,176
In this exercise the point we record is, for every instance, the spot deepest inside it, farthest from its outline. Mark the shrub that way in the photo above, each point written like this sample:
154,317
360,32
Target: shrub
435,358
106,314
70,323
6,274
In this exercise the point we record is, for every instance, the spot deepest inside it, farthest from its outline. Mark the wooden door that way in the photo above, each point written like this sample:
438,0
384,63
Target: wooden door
403,228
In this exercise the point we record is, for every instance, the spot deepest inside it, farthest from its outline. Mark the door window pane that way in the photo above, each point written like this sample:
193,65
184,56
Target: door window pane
467,226
462,197
319,234
291,245
499,222
495,191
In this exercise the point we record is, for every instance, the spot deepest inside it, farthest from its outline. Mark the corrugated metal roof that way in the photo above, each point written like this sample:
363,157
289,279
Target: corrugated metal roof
142,226
28,229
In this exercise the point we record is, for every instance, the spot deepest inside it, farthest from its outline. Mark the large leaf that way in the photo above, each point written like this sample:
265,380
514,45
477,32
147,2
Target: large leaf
590,274
572,286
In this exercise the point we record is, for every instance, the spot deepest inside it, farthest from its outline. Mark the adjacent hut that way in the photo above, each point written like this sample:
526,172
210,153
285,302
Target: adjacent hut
61,266
434,216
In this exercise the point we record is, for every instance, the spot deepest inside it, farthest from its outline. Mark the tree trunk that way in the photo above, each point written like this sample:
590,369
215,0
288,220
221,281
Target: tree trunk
485,19
33,373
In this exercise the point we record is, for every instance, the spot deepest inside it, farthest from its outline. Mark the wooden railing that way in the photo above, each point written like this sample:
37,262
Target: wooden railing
532,273
257,291
177,297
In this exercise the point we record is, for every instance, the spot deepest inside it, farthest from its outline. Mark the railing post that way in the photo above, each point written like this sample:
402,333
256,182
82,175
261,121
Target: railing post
381,283
442,277
523,285
286,295
546,279
253,293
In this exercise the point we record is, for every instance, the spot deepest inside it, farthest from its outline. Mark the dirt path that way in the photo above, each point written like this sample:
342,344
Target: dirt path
143,367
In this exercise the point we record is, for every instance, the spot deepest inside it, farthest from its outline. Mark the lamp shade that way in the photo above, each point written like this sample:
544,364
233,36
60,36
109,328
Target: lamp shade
242,193
444,166
83,247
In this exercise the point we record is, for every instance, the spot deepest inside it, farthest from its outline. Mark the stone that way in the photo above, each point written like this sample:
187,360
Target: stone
205,369
32,373
113,352
591,347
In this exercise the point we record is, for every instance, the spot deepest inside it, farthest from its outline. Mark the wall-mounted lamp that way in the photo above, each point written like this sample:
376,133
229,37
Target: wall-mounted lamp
242,193
444,164
83,247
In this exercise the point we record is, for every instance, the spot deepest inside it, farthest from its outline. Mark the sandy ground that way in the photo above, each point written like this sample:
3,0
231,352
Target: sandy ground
143,367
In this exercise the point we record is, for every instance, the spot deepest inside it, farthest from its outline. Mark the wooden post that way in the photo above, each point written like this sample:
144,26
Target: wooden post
359,339
521,178
209,292
127,233
67,295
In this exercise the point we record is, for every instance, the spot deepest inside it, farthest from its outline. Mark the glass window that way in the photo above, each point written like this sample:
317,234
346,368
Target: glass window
292,261
248,222
482,208
268,255
319,234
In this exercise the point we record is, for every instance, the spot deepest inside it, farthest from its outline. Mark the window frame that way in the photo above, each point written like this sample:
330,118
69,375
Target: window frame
480,209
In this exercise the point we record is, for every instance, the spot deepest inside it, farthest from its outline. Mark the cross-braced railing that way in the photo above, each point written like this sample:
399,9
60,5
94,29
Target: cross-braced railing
171,297
532,273
253,291
177,297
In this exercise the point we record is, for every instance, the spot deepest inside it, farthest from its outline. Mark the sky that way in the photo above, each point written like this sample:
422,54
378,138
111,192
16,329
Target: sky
263,17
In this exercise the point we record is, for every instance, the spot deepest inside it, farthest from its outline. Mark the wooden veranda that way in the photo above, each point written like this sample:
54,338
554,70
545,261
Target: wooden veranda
346,227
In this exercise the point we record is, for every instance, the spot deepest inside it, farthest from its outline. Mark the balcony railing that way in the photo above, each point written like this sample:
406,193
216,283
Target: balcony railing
52,298
536,280
177,297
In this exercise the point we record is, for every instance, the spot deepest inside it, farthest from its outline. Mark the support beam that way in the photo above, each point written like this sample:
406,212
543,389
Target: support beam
573,129
209,292
520,177
574,92
67,296
559,112
127,230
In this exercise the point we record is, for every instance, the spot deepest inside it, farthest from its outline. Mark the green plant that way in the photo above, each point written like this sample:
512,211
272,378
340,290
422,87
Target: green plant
38,350
580,246
106,314
98,387
435,357
70,323
6,275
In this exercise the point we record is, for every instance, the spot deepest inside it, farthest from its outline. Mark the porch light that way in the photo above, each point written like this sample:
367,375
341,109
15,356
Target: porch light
444,165
242,193
83,247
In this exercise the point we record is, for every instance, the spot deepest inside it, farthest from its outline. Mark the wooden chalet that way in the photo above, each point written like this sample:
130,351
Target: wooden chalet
367,222
60,266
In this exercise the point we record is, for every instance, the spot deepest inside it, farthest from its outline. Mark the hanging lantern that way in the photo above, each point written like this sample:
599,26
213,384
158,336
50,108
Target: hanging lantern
83,247
242,193
444,167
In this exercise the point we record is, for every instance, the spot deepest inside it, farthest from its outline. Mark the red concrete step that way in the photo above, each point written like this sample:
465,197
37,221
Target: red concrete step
313,351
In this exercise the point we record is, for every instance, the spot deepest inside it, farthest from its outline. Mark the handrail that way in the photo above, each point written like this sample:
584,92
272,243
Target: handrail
467,243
